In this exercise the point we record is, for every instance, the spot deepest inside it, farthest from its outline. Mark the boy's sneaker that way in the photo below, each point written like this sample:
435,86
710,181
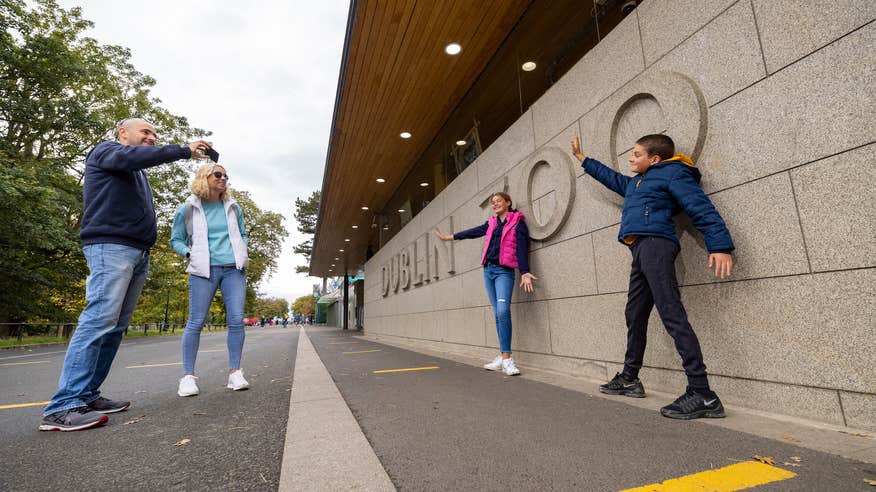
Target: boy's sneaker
105,405
188,386
236,381
621,385
509,367
73,419
692,405
495,365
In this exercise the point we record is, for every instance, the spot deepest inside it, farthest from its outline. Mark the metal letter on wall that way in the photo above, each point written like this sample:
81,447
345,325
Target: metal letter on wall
435,248
393,274
416,274
384,280
404,270
563,178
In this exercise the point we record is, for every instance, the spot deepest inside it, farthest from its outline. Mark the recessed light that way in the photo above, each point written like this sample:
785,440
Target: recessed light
528,66
355,227
340,251
385,228
347,240
380,180
452,49
364,208
404,135
336,259
461,142
424,184
332,264
401,210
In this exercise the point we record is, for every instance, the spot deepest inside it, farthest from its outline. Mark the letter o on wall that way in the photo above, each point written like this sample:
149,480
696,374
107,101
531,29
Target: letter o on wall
563,176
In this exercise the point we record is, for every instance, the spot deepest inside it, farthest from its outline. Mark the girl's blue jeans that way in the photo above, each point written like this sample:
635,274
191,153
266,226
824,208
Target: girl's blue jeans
500,286
232,282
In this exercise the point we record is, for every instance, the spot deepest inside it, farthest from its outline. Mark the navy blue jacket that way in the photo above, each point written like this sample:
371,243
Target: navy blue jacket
116,197
522,233
651,199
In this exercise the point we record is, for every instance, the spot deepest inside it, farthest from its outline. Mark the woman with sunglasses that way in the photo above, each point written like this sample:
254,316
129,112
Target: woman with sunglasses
208,229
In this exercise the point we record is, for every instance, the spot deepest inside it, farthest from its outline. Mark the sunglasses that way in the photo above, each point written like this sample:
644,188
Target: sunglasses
219,175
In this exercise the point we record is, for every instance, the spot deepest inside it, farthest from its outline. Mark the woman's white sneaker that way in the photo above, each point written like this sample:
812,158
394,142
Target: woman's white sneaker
188,386
495,365
236,381
509,368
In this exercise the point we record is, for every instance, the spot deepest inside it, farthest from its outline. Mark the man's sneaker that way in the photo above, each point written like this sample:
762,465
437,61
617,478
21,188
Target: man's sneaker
73,419
236,381
621,385
495,365
692,405
188,386
105,405
509,368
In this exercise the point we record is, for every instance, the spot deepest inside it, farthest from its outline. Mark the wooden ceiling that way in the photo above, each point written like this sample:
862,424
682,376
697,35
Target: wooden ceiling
396,77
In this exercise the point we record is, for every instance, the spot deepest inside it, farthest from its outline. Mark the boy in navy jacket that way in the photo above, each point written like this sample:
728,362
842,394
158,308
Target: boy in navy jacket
665,183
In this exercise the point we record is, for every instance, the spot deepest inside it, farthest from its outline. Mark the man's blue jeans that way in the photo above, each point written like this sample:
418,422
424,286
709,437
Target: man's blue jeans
116,275
500,285
201,292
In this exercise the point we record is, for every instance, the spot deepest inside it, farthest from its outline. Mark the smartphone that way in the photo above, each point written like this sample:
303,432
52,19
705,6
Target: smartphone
212,154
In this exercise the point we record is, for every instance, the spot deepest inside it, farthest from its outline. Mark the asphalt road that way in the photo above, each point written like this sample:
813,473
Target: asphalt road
460,427
236,438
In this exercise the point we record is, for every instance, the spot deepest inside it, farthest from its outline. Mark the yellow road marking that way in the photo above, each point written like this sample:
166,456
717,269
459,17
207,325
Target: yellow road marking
20,405
730,478
40,354
24,363
341,343
427,368
154,365
208,351
363,351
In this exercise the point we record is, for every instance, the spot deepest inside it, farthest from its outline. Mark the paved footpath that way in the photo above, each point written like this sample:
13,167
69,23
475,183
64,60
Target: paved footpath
438,424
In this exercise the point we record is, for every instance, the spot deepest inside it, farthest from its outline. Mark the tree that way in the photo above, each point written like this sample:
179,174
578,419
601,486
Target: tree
60,94
306,213
304,305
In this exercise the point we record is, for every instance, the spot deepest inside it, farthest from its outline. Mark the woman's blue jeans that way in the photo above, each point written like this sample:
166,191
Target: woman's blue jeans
500,285
232,282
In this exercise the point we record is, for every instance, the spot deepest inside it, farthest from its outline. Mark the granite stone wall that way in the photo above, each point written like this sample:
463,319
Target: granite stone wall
774,99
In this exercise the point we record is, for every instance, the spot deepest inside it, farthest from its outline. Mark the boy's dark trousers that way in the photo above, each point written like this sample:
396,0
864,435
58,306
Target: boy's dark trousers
653,282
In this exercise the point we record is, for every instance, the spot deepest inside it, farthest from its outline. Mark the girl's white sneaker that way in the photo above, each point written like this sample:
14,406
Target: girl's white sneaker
509,368
495,365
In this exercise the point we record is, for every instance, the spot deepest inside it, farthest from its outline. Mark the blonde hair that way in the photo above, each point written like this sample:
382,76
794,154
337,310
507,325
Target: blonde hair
201,187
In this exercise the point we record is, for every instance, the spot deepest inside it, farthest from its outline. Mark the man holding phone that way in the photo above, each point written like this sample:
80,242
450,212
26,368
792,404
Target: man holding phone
118,228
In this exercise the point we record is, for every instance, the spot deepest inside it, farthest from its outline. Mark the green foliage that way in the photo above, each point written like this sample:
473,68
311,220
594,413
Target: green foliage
269,307
304,305
306,213
61,93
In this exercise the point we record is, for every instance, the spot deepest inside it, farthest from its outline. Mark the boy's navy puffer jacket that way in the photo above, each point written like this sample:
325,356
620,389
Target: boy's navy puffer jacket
667,188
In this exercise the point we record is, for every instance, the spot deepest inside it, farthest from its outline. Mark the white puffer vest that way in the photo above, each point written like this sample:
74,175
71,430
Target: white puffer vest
199,251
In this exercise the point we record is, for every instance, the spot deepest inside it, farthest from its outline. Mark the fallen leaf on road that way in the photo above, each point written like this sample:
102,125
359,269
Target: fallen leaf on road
198,413
795,458
23,394
263,478
765,459
871,482
789,438
134,421
857,434
183,442
791,464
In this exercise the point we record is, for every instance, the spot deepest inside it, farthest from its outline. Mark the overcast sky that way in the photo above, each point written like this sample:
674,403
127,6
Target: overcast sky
261,75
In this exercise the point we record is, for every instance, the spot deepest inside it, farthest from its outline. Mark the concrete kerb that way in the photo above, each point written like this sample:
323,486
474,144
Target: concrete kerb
842,441
325,448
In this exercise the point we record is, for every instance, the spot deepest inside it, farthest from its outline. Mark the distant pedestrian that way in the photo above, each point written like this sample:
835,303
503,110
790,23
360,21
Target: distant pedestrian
506,248
118,229
209,230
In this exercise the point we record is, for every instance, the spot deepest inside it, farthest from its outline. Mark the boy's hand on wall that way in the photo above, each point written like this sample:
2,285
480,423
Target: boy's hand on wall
576,147
443,237
723,263
526,281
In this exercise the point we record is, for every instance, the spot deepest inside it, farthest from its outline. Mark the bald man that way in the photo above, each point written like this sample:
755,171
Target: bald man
118,229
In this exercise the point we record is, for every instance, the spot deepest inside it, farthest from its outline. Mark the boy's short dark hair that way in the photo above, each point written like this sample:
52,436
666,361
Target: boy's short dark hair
658,144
